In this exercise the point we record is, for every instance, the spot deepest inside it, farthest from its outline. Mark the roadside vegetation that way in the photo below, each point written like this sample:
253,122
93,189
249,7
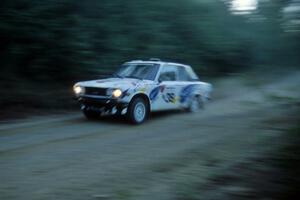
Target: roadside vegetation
275,175
48,45
287,160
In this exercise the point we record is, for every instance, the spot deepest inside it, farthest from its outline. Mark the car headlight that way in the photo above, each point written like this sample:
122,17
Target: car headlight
117,93
78,89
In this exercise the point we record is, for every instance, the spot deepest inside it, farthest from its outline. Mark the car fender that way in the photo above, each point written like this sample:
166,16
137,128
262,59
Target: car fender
139,89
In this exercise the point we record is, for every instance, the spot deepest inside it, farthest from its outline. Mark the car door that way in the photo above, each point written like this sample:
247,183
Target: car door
168,88
188,84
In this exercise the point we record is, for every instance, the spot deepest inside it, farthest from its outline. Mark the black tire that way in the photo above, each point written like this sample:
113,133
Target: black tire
200,104
91,115
132,108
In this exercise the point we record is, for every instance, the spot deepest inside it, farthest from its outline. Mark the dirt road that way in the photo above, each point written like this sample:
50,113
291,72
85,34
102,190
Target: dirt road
68,157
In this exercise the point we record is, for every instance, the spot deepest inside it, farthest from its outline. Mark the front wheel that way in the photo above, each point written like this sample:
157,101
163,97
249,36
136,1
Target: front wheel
137,111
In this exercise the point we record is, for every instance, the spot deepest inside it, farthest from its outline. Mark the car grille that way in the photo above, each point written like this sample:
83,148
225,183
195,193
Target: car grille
95,91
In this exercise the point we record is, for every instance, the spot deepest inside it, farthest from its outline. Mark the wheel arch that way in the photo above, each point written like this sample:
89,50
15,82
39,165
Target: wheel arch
143,96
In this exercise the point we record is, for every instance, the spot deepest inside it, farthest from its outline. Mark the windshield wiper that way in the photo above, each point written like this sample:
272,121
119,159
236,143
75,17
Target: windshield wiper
117,75
132,76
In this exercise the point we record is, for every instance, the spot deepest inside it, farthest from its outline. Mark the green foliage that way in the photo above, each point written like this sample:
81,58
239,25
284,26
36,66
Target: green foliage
63,41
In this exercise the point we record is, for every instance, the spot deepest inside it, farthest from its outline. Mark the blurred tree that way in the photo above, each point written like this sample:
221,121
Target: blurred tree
60,41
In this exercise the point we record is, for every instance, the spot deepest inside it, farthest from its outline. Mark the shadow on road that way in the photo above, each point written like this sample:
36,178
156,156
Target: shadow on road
121,120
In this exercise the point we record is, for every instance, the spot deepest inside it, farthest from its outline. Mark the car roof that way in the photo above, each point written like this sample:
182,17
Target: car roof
156,62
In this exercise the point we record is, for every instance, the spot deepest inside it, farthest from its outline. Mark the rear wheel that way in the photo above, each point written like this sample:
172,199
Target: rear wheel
196,104
91,114
137,111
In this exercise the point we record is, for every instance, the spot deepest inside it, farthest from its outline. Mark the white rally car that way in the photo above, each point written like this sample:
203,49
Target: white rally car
140,87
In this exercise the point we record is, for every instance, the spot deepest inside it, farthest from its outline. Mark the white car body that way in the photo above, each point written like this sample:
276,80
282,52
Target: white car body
159,94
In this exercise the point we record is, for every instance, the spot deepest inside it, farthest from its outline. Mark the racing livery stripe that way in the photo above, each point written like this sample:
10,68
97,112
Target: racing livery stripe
154,93
186,93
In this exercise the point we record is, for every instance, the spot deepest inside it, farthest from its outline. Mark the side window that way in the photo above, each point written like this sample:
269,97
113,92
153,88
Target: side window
168,73
183,75
193,76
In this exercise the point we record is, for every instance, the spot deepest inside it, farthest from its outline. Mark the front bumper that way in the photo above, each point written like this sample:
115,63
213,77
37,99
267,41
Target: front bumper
102,104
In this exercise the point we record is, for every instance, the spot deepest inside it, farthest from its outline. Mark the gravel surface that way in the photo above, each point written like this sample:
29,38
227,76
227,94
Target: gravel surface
68,157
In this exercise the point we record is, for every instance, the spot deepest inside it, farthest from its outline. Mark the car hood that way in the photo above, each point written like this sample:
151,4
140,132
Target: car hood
122,83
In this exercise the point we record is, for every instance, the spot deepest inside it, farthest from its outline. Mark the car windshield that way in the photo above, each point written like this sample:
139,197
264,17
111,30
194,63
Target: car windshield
138,71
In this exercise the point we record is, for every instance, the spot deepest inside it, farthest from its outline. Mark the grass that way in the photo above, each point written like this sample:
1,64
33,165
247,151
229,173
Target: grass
123,194
288,161
274,176
280,98
35,101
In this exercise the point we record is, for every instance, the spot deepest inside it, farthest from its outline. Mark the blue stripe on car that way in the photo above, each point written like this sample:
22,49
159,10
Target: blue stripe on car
154,93
186,92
